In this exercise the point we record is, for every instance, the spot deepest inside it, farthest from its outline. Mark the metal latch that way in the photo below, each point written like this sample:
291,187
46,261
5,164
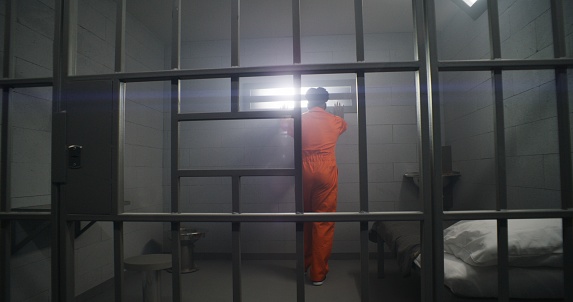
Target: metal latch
74,156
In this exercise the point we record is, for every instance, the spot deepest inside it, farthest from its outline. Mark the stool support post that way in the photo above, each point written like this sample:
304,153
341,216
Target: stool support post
151,286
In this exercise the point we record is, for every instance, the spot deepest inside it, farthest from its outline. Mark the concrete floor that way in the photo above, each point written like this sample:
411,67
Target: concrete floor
273,280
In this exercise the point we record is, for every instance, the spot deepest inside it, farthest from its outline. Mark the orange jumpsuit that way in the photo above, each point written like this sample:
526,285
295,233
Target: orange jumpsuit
320,132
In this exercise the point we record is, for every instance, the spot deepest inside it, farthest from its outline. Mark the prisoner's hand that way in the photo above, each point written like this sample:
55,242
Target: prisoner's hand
338,110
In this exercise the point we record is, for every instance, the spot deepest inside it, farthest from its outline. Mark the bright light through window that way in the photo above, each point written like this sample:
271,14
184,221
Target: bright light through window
284,92
470,3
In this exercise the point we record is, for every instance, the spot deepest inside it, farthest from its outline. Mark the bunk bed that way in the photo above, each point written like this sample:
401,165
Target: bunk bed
470,256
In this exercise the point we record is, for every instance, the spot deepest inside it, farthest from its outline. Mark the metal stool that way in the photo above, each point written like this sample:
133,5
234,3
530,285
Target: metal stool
150,265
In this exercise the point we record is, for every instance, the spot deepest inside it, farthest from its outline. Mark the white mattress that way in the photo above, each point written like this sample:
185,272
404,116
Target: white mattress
524,282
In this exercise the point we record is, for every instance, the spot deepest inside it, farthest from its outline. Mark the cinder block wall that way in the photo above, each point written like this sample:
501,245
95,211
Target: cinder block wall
529,104
391,129
30,134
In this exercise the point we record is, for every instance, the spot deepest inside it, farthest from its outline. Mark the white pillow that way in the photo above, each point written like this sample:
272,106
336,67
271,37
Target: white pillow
532,242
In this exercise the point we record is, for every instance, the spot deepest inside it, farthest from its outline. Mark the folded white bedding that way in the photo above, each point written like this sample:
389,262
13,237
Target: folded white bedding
481,282
532,242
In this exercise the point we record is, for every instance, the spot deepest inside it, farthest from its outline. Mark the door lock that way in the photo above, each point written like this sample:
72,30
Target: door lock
74,156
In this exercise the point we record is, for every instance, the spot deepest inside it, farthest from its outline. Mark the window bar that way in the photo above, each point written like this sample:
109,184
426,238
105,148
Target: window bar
423,124
564,132
235,32
296,55
120,36
358,19
299,202
500,155
236,237
363,179
436,208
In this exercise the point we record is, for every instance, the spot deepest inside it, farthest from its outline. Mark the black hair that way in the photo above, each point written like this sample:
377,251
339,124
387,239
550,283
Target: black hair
317,97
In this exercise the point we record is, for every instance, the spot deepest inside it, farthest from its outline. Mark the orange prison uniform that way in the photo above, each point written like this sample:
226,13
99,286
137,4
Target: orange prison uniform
320,131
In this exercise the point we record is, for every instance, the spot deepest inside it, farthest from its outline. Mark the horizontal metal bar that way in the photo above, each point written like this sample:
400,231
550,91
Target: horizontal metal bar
504,64
509,214
253,217
166,75
296,217
240,172
276,114
29,82
25,215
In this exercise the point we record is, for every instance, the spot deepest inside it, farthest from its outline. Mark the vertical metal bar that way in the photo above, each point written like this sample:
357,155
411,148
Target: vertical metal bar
299,202
558,27
236,194
501,187
119,132
296,55
4,158
235,86
120,19
176,261
9,24
300,294
175,185
494,31
66,259
64,51
56,197
237,287
362,142
568,258
236,235
118,267
6,246
436,208
175,104
500,155
175,101
176,35
564,133
363,179
235,32
364,267
359,21
70,37
118,186
424,124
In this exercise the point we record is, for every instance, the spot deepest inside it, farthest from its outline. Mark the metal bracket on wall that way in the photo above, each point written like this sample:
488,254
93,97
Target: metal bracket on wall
79,230
36,231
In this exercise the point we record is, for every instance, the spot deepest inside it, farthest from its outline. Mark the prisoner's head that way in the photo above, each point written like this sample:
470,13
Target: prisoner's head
317,97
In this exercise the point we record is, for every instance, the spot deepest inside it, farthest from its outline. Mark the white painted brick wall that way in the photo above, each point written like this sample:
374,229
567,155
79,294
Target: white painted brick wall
530,112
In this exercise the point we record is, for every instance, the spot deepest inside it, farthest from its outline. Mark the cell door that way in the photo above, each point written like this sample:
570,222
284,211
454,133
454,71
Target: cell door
90,148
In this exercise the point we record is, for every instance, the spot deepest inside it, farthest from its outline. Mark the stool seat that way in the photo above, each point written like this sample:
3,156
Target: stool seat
148,262
150,265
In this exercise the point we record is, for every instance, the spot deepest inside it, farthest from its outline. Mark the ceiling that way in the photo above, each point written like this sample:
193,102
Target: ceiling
211,19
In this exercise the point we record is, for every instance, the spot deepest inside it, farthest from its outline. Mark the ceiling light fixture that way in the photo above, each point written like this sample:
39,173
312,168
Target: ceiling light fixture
474,8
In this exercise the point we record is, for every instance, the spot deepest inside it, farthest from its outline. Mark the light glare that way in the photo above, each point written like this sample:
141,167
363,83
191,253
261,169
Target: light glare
470,3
